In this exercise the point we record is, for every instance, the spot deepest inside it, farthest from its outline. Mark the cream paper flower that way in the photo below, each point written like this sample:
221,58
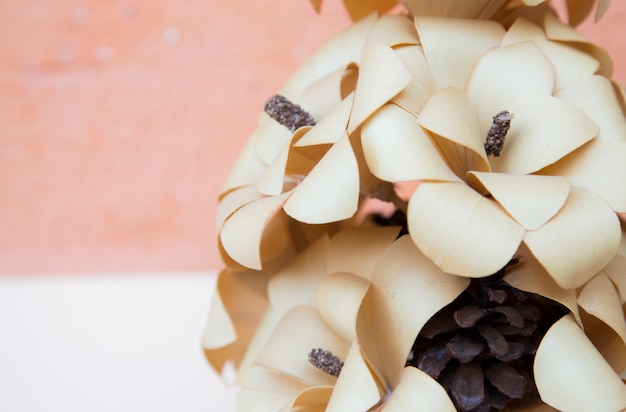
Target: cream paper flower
399,100
364,297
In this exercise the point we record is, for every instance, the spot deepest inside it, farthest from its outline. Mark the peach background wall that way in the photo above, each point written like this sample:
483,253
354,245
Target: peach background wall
120,119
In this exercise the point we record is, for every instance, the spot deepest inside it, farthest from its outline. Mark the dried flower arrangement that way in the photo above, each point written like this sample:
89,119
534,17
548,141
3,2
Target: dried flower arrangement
427,219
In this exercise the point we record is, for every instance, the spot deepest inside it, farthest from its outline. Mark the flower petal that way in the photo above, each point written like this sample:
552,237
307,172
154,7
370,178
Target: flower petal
451,115
233,200
569,63
528,275
414,96
341,50
407,290
360,8
531,200
356,389
571,375
247,169
295,284
616,270
417,391
253,400
331,190
242,233
453,8
601,301
312,399
453,46
544,130
596,96
339,297
461,231
579,241
598,167
504,74
286,351
330,128
392,30
356,251
397,149
382,75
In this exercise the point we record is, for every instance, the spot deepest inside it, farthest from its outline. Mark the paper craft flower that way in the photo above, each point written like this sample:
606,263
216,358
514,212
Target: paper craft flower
362,321
400,101
498,142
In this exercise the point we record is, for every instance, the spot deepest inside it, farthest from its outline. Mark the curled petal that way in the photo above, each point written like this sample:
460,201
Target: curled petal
339,297
461,231
330,128
356,389
382,76
331,191
246,170
569,63
596,96
417,391
531,277
392,30
340,51
578,10
415,95
397,149
600,299
616,270
407,290
287,290
544,130
492,88
454,8
313,399
571,375
531,200
286,351
242,233
598,167
450,114
357,250
452,54
579,241
234,200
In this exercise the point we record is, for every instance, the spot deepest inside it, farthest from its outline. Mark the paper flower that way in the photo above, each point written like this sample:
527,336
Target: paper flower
397,100
498,142
362,321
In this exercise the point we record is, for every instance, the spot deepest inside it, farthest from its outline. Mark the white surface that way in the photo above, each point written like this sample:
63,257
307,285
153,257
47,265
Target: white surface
107,343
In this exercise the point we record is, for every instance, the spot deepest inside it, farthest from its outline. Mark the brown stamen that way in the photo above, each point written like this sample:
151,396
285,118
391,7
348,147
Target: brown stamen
325,361
287,113
497,133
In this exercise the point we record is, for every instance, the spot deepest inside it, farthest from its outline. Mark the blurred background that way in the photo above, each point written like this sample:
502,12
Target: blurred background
119,121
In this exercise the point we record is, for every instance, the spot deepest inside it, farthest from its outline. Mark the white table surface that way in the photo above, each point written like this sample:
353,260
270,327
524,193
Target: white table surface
121,342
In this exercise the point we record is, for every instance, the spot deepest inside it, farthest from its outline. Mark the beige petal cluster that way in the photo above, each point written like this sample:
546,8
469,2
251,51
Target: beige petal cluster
364,296
577,10
400,100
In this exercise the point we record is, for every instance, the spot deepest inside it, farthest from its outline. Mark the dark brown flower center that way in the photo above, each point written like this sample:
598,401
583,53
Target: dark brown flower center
481,347
287,113
497,133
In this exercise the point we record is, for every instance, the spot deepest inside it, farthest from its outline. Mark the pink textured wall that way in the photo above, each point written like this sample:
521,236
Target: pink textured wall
119,121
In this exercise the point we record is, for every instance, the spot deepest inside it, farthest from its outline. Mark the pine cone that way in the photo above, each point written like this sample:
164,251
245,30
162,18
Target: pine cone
481,347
